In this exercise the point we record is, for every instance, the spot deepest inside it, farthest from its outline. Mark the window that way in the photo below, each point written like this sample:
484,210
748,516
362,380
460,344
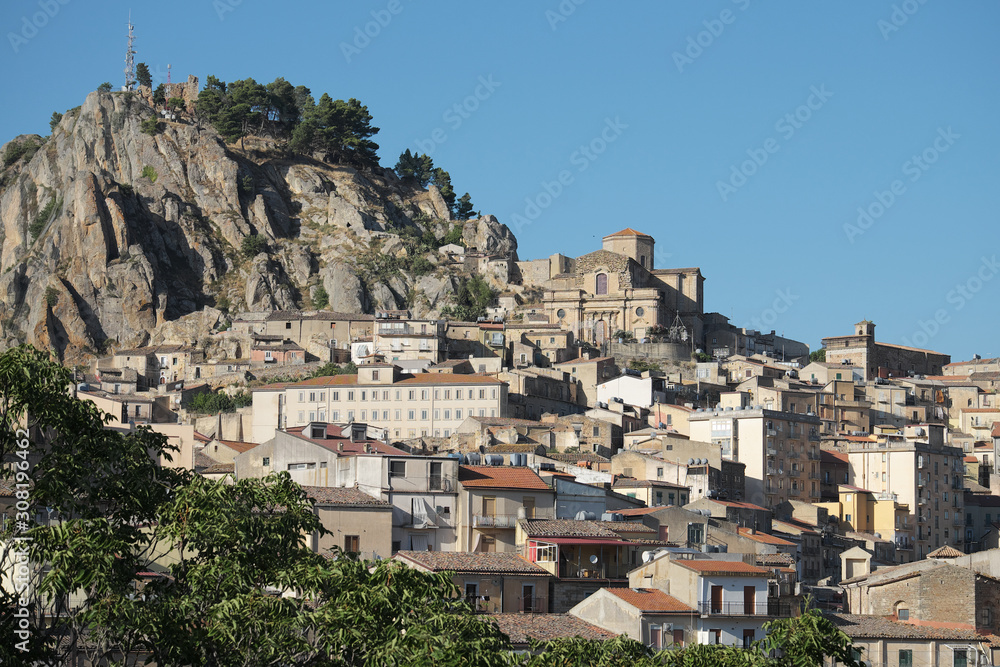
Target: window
352,544
905,657
458,414
335,396
659,472
301,466
560,313
266,461
375,375
597,431
472,594
639,312
655,636
411,415
960,657
602,283
288,325
748,636
397,468
423,415
902,613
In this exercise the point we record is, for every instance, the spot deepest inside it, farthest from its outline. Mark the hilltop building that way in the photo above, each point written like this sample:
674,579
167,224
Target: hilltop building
882,360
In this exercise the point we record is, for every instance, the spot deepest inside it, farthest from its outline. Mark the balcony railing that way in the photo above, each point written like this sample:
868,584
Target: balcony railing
505,520
770,608
588,570
533,605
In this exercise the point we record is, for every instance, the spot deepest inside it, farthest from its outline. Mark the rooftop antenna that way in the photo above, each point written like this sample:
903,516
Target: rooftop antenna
130,57
168,75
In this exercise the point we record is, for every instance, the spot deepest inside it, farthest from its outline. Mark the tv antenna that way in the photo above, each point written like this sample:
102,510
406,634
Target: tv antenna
130,56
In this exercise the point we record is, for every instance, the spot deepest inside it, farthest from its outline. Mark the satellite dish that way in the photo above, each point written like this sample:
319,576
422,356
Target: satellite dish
593,559
647,556
690,462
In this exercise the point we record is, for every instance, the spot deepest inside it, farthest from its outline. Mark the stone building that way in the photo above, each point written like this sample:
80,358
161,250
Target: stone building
617,288
882,360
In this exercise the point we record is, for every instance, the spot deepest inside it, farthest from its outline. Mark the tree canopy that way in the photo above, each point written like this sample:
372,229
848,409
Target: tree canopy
420,168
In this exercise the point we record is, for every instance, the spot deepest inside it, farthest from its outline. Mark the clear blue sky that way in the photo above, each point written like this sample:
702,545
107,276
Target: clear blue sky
683,93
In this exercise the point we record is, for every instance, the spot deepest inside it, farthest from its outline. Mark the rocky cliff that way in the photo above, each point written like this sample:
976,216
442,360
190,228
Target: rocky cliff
110,235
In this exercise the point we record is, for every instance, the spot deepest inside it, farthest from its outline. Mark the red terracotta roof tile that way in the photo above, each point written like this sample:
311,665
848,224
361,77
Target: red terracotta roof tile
651,600
500,477
461,561
521,628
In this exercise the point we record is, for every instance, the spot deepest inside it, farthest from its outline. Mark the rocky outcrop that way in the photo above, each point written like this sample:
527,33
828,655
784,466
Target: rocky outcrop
112,237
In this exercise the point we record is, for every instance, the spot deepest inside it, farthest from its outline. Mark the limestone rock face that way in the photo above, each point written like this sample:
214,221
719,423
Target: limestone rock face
112,237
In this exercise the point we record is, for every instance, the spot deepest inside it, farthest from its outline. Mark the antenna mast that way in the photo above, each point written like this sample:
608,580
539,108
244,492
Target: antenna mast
129,57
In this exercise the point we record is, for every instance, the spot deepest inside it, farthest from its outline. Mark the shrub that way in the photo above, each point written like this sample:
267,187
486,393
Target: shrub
150,173
454,235
18,149
421,266
320,298
104,87
51,296
642,365
43,217
253,246
246,184
222,303
333,369
212,402
54,120
150,126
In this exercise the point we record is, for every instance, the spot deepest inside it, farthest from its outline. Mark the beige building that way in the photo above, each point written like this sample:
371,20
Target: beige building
407,406
863,511
882,360
399,338
585,374
780,449
493,582
319,332
922,472
617,288
358,523
647,615
492,499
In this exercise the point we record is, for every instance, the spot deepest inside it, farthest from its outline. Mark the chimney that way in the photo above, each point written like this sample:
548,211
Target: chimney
340,446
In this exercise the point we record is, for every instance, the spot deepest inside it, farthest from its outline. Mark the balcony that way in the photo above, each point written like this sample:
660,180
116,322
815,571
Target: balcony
599,570
746,608
772,432
794,492
814,475
813,456
533,605
957,520
494,520
771,451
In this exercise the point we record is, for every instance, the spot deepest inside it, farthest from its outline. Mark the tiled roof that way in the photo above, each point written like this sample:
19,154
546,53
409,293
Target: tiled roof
500,477
863,626
980,410
740,505
219,469
238,445
735,568
568,528
945,552
345,497
319,315
651,600
831,456
461,561
775,560
588,457
639,511
628,231
645,484
796,524
545,627
203,460
508,421
414,379
764,538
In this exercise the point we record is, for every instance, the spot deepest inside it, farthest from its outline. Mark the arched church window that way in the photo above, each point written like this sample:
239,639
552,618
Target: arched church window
602,283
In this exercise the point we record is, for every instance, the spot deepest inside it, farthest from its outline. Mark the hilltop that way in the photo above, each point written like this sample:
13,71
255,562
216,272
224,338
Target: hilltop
123,223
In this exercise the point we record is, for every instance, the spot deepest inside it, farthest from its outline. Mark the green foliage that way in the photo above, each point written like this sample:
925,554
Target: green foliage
214,402
246,184
253,245
143,76
54,120
818,355
455,235
421,266
160,96
43,217
149,173
222,303
623,336
331,368
19,149
442,179
126,189
104,87
702,357
464,209
642,365
320,299
51,296
473,298
150,126
341,130
416,167
176,103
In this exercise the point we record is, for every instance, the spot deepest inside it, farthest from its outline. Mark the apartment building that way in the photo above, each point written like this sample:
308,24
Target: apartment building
398,338
406,405
878,514
492,499
922,472
318,330
780,449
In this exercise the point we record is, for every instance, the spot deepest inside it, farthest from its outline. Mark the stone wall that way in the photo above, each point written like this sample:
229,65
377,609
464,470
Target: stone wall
653,351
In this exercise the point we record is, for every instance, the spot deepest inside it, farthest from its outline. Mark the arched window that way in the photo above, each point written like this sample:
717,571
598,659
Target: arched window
602,283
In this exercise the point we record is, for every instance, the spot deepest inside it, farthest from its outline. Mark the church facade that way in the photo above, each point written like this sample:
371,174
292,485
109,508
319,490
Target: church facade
618,288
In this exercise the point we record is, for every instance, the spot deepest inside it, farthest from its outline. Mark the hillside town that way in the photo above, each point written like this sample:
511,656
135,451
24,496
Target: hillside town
597,456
